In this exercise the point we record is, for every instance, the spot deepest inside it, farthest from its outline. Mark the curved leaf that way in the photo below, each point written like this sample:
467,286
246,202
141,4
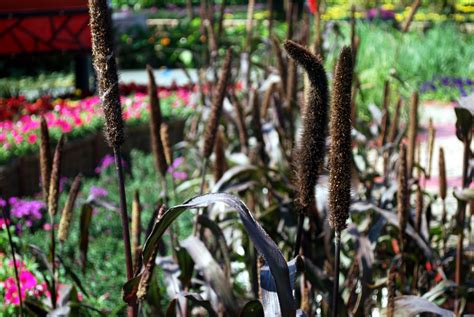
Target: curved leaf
263,243
268,287
410,305
219,236
393,220
226,181
195,298
212,272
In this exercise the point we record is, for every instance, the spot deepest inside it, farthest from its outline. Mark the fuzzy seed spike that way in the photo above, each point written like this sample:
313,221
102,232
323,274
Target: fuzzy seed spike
419,209
241,125
340,154
394,124
402,194
219,164
257,127
106,70
155,124
216,108
431,139
66,215
165,139
136,225
412,133
310,152
443,184
45,158
282,69
391,286
54,180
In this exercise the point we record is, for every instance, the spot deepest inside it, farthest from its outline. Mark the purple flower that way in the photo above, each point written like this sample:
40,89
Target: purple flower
376,13
106,162
179,175
29,211
97,192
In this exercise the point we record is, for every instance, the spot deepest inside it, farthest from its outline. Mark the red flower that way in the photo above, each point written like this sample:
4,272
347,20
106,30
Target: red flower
313,6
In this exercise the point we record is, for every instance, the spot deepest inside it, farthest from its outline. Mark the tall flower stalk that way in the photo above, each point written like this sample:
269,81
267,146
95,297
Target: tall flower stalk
340,159
108,88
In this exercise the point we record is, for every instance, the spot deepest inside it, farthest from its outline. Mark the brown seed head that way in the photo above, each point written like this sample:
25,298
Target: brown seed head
155,124
392,288
45,158
394,124
431,139
310,152
340,154
443,184
402,194
257,127
66,215
54,180
106,70
412,133
282,70
216,108
219,164
165,139
136,224
419,208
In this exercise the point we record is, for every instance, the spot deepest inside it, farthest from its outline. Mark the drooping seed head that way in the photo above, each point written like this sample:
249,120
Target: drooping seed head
340,154
443,184
309,158
216,108
106,70
66,215
54,180
155,124
45,159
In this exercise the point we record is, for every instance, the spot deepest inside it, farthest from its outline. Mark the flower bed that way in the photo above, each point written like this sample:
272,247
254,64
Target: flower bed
81,120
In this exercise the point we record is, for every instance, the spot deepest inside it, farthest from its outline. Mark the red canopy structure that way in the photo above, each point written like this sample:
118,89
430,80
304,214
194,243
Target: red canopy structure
41,26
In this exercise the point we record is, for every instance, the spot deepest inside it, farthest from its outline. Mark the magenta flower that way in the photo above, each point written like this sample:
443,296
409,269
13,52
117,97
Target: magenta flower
179,175
11,292
97,192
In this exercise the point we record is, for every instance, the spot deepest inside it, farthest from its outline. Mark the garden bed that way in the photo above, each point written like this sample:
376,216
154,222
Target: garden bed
16,176
81,122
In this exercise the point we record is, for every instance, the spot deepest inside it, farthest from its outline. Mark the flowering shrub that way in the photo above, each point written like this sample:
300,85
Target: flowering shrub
28,212
32,284
20,120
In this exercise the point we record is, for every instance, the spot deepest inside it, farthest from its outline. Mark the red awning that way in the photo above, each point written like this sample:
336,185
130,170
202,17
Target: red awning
38,26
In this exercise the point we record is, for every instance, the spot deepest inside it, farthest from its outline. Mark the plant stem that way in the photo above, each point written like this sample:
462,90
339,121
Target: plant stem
337,262
461,216
12,248
201,191
132,309
299,234
53,264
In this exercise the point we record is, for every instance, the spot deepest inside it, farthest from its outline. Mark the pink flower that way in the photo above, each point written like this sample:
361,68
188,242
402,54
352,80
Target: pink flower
27,279
11,292
32,138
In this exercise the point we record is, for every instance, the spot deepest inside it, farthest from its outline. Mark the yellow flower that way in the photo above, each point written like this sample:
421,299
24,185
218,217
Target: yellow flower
165,41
